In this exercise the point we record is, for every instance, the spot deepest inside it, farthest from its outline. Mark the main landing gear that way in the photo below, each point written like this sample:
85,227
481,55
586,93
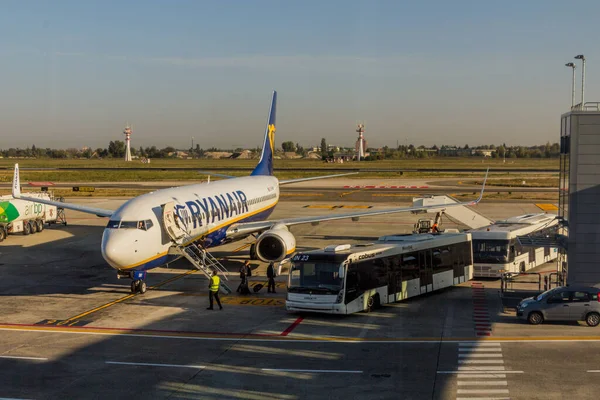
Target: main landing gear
138,280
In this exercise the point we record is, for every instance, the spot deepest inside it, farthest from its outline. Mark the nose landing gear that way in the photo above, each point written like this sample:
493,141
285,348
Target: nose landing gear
138,280
138,285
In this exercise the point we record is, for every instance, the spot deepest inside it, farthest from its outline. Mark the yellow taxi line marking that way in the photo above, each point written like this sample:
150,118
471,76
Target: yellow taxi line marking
320,206
278,338
122,299
347,193
547,207
242,247
393,195
300,194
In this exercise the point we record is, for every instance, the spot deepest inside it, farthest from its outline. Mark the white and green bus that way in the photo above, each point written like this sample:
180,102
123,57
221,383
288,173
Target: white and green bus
345,279
496,249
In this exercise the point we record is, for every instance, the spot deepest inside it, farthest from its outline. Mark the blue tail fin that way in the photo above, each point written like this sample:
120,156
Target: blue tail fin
265,165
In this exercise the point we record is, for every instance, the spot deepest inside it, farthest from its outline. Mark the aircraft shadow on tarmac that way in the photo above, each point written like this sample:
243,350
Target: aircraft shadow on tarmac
69,266
153,366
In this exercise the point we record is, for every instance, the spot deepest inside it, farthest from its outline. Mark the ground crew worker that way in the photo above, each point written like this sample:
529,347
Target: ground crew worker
213,290
271,276
244,275
434,228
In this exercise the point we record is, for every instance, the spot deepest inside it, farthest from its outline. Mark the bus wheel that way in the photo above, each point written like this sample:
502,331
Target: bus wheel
370,303
377,301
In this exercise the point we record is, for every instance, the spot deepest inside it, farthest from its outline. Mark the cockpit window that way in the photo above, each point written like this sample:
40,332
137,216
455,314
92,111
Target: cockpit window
143,225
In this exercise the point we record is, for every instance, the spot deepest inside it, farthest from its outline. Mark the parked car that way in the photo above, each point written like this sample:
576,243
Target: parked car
565,303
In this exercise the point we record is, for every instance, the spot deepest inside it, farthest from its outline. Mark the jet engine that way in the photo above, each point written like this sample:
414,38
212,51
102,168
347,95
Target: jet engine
275,244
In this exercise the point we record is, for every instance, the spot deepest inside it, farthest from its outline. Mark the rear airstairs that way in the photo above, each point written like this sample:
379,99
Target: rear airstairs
183,245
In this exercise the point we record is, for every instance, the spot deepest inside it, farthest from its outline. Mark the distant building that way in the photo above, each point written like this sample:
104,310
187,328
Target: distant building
452,151
483,152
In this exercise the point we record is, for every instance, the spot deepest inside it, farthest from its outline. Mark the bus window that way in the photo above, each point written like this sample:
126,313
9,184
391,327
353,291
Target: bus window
410,267
315,276
490,251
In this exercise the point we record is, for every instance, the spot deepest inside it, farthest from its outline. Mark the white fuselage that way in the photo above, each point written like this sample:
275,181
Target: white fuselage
204,212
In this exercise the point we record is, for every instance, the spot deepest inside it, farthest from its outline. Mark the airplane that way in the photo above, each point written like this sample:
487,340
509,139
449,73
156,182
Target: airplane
146,231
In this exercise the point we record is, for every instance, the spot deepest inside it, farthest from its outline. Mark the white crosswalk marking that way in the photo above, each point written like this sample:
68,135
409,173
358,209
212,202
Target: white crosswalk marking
481,374
481,355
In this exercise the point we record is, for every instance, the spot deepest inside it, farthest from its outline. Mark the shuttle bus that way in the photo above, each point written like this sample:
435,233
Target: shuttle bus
347,278
496,249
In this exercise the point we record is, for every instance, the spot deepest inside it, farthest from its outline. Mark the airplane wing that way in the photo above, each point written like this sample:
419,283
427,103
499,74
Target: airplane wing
209,173
284,182
251,227
312,178
16,193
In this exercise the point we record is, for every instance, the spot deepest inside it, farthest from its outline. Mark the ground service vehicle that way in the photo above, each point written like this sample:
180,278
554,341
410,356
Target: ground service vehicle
565,303
21,216
347,278
496,249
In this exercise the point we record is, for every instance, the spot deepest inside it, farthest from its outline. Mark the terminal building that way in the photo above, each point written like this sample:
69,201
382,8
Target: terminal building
579,194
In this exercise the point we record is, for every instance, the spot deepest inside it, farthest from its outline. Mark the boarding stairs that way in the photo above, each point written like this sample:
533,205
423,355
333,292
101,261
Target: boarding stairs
203,261
462,214
183,245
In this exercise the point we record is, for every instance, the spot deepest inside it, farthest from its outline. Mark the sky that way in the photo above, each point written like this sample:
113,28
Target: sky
74,73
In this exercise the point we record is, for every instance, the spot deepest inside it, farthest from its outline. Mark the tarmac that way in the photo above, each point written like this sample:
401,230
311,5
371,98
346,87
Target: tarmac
70,329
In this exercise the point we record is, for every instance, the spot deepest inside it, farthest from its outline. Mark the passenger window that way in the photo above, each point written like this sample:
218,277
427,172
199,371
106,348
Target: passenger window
581,296
594,296
562,297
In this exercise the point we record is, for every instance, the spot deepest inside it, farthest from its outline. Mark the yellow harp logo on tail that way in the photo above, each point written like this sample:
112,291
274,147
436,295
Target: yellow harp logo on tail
272,136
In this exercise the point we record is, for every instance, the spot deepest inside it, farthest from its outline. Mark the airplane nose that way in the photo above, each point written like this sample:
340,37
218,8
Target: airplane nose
110,250
118,248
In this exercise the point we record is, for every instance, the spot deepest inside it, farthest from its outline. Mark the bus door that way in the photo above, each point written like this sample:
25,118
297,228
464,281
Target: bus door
426,271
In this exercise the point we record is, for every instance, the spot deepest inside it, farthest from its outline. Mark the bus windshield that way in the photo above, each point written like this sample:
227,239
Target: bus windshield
490,251
315,276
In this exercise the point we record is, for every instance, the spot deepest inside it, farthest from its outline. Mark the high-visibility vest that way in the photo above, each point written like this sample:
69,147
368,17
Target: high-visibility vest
215,282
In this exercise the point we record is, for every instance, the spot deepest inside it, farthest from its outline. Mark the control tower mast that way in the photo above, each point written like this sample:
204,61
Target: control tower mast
361,144
127,133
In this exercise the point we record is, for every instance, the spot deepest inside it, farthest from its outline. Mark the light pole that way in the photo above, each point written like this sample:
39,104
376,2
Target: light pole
582,58
573,66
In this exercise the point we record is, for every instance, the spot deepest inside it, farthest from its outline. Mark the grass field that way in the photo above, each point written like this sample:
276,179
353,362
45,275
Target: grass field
439,163
284,169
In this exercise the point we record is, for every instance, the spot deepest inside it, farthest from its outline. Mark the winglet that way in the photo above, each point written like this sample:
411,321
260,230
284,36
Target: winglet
16,186
482,187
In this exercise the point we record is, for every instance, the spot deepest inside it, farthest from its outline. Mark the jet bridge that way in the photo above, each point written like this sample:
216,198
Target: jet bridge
462,214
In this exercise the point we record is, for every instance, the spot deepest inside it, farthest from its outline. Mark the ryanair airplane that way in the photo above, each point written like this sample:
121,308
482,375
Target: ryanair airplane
141,234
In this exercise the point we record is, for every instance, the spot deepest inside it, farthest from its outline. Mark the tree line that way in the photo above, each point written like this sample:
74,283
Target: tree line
116,149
